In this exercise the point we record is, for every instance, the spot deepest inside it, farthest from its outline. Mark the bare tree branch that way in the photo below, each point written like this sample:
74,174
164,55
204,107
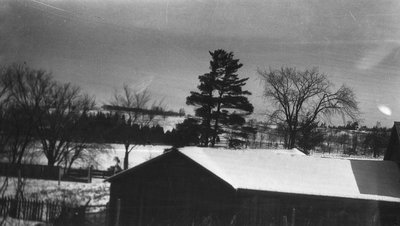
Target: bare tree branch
133,104
302,97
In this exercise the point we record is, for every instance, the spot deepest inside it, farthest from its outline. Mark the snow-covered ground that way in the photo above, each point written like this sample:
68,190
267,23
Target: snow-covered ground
104,159
80,193
71,192
344,156
17,222
138,154
169,123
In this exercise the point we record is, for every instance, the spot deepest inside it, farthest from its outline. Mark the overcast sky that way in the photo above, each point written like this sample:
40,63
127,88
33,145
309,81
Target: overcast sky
163,44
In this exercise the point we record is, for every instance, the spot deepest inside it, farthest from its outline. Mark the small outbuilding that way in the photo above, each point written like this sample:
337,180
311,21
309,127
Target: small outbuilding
393,149
204,186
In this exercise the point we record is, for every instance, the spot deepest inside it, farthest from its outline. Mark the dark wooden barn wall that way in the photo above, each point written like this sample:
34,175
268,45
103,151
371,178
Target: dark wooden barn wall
268,208
393,150
173,191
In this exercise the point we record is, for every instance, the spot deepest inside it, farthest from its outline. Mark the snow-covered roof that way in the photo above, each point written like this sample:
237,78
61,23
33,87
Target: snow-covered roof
278,171
293,151
290,171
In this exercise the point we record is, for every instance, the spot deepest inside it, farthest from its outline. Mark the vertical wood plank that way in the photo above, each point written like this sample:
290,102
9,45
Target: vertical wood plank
293,217
117,219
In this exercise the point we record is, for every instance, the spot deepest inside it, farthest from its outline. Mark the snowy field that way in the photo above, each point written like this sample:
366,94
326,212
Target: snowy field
71,192
138,155
169,123
79,193
344,156
104,159
17,222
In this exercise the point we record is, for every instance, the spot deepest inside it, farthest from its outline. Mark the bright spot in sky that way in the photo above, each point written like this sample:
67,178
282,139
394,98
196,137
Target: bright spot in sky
385,109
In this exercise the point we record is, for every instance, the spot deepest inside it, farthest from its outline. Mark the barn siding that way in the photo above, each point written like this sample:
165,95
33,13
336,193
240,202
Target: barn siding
393,150
172,191
269,208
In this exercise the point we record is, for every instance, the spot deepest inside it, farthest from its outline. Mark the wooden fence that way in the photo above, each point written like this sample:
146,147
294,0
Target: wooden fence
57,213
33,210
52,172
30,171
103,174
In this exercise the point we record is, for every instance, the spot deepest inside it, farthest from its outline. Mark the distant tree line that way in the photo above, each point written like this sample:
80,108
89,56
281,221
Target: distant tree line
153,111
115,127
349,139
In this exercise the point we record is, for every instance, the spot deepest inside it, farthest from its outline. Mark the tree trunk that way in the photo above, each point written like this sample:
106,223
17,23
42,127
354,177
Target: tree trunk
375,152
206,133
206,138
126,157
216,125
215,133
14,155
291,139
51,152
51,161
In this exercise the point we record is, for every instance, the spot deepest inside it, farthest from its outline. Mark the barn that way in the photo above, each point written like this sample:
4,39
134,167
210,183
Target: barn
204,186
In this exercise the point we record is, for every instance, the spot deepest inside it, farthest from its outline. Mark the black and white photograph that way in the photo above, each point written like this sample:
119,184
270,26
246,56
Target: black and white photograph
199,113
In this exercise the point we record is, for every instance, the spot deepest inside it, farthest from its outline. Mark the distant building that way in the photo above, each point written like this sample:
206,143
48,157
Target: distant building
194,186
393,150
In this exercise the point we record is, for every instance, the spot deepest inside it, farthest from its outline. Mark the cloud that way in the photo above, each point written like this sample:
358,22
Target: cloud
143,83
9,39
374,56
5,7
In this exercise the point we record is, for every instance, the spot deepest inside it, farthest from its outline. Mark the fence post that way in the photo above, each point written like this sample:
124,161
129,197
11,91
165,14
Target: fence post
293,216
107,214
59,176
118,212
284,221
19,179
89,180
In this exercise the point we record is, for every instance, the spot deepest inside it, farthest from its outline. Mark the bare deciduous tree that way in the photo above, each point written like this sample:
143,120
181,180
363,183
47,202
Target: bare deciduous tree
4,138
133,102
58,122
301,98
21,95
40,109
26,95
130,98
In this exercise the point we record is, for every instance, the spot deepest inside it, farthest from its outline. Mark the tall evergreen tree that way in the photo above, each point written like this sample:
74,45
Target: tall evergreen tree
221,100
